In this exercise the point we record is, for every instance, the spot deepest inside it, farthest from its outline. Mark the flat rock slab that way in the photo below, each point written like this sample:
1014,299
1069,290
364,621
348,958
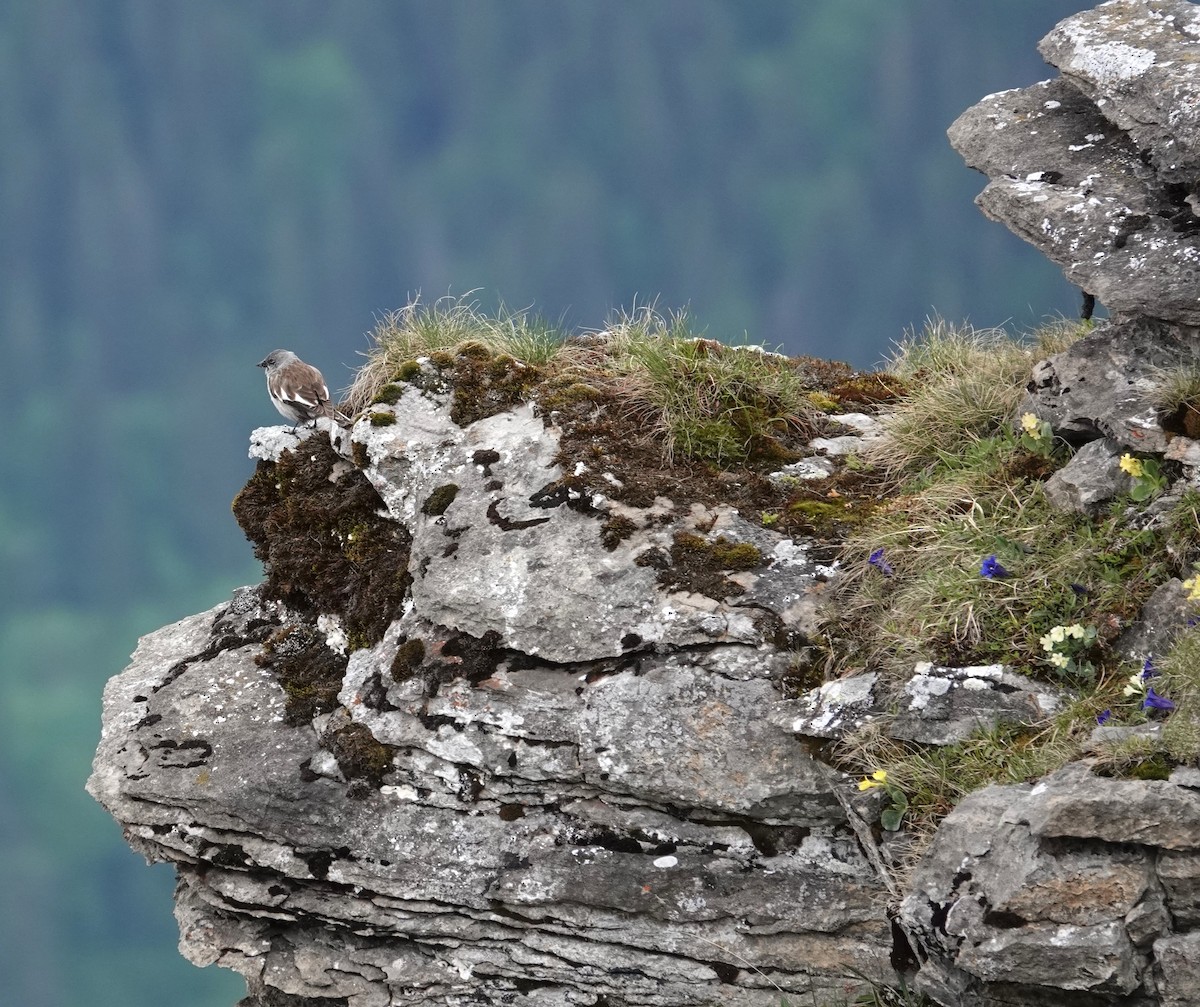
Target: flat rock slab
635,831
936,706
941,706
1090,479
503,544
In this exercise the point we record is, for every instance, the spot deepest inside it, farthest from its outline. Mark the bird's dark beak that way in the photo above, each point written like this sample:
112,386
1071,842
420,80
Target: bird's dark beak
263,363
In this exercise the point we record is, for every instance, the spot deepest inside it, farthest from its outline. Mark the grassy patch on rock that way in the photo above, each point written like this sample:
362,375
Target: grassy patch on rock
965,562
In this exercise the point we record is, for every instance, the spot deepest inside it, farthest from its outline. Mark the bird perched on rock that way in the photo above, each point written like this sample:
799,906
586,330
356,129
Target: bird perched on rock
297,389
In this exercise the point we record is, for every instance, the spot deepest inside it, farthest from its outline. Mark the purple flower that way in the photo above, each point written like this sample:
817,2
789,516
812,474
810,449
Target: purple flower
1148,669
1103,717
991,569
1156,702
879,563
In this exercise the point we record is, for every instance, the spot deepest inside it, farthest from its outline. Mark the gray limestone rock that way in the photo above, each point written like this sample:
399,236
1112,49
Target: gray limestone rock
1107,384
633,830
503,543
1021,899
1136,60
936,706
1090,479
834,709
940,706
1178,958
1165,615
1096,169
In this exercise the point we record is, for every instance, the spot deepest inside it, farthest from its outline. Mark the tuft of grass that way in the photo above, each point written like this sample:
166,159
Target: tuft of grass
706,399
419,330
1178,387
703,399
965,384
936,778
964,488
1062,569
1180,681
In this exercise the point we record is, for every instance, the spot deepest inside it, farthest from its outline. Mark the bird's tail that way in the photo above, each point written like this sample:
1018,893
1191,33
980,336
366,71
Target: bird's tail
335,414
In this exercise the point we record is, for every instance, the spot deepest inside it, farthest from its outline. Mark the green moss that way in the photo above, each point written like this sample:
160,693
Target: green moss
440,499
562,393
736,555
701,566
382,419
830,518
408,370
390,394
1154,768
409,656
826,403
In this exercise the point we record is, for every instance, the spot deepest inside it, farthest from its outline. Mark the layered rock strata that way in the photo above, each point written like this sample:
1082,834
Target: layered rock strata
551,780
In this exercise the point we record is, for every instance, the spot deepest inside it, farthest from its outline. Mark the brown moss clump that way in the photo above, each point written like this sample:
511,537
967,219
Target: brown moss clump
485,383
615,530
874,388
700,566
441,498
307,669
458,656
323,544
359,756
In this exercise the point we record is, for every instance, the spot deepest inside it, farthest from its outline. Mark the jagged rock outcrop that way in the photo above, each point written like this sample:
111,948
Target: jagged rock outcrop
1099,169
1079,890
552,778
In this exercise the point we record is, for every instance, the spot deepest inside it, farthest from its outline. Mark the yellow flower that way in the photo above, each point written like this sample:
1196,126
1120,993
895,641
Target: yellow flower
1136,685
877,779
1059,660
1075,631
1132,465
1192,584
1031,425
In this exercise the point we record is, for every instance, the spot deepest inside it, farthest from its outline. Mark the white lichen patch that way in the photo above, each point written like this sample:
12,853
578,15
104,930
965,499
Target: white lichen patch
334,632
1106,62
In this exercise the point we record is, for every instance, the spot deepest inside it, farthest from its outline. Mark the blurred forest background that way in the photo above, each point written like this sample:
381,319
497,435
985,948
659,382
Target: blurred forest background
185,186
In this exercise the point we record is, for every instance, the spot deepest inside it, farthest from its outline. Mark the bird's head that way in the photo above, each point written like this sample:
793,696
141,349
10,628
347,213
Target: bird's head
277,358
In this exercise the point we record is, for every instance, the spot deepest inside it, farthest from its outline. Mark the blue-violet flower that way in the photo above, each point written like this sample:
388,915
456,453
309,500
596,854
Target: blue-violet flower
1154,701
992,569
879,563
